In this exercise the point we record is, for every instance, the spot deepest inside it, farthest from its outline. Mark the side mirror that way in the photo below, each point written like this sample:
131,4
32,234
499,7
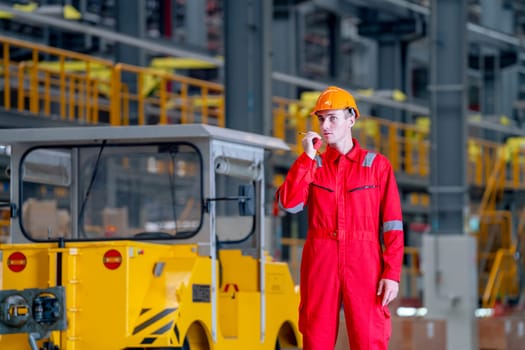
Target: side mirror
246,200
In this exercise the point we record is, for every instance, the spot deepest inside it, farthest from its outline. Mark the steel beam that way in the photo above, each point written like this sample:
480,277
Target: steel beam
391,71
196,33
131,21
285,33
448,115
450,283
247,33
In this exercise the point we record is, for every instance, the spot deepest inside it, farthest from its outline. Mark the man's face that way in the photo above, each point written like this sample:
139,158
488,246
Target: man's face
335,124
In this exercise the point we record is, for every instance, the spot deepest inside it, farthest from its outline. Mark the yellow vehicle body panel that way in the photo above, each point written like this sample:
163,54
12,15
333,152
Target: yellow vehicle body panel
149,301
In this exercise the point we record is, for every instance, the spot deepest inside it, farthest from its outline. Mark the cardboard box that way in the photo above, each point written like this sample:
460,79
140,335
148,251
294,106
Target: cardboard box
416,333
502,333
64,223
115,221
40,218
493,333
517,341
429,334
408,333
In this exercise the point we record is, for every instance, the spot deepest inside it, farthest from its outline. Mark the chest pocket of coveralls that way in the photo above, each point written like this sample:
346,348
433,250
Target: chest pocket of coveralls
363,202
323,200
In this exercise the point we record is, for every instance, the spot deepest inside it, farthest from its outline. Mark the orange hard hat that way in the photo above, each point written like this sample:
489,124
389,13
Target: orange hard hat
335,98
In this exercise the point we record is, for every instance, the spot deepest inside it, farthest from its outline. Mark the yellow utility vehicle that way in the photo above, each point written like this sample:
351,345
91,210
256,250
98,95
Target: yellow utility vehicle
148,237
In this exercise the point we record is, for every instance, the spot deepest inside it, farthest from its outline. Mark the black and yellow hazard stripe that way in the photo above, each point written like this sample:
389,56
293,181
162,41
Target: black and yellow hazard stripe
150,338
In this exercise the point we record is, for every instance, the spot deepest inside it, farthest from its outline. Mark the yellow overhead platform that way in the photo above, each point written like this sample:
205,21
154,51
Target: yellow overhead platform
180,63
68,11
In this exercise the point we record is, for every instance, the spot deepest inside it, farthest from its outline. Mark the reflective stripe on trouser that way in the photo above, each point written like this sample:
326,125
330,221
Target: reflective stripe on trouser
342,272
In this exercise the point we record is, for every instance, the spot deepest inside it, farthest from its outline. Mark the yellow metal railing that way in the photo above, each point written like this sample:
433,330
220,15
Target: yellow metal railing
502,279
520,249
32,87
174,100
516,169
406,146
86,89
412,272
4,230
494,236
497,244
289,118
4,224
482,156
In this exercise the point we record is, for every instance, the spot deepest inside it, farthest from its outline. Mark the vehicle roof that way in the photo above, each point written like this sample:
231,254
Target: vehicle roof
154,133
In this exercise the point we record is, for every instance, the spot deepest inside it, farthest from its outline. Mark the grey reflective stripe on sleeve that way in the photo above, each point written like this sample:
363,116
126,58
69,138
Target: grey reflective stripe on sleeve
369,159
293,210
393,225
318,161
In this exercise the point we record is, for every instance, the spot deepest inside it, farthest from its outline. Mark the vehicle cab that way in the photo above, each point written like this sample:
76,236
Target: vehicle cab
141,237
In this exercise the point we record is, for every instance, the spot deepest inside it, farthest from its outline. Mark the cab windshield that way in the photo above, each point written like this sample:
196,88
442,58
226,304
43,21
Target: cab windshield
111,191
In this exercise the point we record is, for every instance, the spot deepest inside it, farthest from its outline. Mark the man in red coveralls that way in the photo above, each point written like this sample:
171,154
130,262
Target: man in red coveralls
354,247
